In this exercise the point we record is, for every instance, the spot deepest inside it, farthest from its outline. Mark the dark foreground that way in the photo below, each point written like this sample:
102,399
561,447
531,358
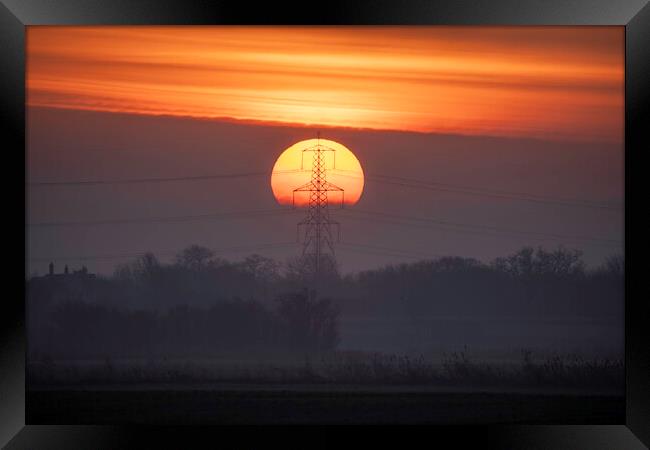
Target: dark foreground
188,406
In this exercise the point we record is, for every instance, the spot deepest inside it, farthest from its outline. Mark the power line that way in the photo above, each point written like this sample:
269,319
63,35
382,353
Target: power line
373,249
98,182
483,192
242,248
363,248
374,216
455,230
572,201
444,223
379,178
418,183
168,219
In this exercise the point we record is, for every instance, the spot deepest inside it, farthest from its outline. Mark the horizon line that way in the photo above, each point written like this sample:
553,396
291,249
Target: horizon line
319,126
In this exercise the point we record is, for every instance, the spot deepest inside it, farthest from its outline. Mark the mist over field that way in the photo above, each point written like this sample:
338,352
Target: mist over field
498,293
534,305
441,280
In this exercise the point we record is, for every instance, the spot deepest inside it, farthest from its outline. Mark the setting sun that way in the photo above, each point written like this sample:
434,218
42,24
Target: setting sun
293,169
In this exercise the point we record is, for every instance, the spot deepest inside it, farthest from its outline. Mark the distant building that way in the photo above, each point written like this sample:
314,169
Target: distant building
70,285
81,273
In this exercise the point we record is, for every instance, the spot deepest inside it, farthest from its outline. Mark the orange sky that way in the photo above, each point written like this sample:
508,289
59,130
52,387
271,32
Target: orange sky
542,82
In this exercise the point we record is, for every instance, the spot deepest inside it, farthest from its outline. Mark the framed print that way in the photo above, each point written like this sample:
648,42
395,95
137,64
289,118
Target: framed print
382,214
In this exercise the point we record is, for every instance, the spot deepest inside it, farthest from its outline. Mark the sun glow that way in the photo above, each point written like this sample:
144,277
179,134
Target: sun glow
293,169
545,82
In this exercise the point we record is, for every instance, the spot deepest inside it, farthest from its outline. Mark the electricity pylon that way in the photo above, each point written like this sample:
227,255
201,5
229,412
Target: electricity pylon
317,236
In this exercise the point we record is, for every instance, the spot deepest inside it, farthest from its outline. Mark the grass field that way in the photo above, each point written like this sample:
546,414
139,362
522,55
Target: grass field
315,404
340,388
339,368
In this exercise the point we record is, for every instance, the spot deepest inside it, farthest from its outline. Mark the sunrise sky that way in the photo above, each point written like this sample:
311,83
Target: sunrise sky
442,121
539,82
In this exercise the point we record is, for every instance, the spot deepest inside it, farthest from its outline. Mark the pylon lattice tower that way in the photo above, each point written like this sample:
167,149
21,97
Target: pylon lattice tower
317,236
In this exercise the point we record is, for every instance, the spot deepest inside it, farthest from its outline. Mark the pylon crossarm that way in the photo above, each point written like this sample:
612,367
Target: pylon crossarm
327,186
322,147
318,148
305,187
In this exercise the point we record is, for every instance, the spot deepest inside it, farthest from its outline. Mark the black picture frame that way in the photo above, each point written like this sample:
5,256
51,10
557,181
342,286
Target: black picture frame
15,15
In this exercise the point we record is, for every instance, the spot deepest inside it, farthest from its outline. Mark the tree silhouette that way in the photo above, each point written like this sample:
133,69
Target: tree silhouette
194,257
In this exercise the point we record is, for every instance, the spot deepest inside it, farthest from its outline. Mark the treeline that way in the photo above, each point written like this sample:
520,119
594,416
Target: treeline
200,303
298,324
531,282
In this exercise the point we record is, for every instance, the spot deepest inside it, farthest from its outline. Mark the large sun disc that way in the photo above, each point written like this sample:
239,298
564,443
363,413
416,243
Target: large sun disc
293,169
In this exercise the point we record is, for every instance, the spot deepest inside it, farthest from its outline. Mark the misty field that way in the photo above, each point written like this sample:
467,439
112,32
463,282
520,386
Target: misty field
343,387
